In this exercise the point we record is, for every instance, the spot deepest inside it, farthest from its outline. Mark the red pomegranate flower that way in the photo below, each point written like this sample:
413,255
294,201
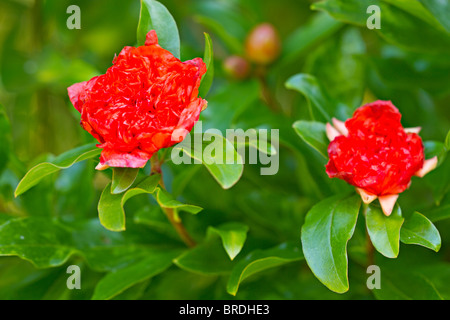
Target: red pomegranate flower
148,100
373,152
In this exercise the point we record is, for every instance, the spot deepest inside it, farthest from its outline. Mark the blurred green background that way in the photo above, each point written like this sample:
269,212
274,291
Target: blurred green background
40,57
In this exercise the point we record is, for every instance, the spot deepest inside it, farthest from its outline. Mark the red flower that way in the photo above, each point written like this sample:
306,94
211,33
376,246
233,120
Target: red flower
373,152
148,100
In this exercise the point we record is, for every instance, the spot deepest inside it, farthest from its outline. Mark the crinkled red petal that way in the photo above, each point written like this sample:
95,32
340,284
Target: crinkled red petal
377,155
135,107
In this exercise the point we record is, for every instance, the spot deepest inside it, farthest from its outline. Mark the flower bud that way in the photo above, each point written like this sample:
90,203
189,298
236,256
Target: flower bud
134,109
236,67
373,152
263,44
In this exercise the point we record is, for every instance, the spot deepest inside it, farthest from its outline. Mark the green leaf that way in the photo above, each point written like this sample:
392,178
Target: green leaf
233,235
406,285
207,258
398,26
214,155
440,10
232,43
155,16
123,179
328,227
208,59
119,280
261,260
43,242
165,200
111,206
384,231
256,142
227,175
314,134
110,210
64,161
421,231
322,106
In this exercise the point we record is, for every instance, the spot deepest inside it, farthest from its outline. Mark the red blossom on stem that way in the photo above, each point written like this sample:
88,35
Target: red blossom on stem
373,152
148,100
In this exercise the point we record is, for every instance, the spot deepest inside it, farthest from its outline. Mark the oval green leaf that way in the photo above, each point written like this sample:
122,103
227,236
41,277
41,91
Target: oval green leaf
43,242
417,229
155,16
317,98
208,59
328,227
322,107
233,235
64,161
261,260
314,134
110,206
123,179
207,258
214,154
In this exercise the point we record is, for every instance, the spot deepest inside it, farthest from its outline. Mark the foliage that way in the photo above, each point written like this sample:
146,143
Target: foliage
247,236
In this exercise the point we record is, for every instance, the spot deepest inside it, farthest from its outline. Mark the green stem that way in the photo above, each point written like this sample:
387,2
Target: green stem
261,74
